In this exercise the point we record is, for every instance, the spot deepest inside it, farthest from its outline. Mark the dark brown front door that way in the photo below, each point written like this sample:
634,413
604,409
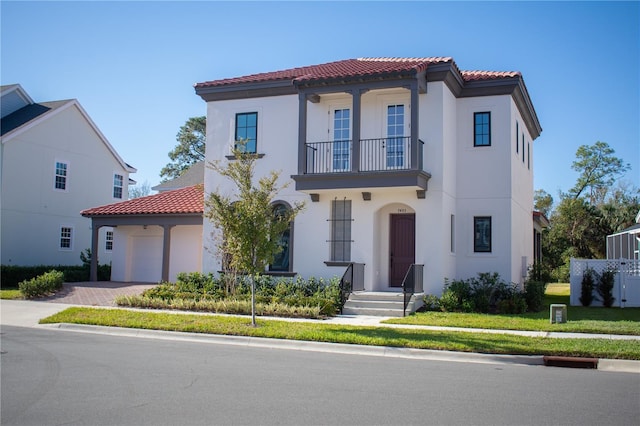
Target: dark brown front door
402,246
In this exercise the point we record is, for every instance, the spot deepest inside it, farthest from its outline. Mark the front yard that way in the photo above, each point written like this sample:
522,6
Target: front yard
580,319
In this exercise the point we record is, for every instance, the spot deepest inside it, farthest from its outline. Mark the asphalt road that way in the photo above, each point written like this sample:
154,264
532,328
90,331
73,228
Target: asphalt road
55,377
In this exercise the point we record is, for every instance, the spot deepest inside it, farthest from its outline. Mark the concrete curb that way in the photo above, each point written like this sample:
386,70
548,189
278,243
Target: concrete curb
339,348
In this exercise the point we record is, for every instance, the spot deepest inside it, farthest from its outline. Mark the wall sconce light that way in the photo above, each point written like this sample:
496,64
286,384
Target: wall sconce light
366,196
315,197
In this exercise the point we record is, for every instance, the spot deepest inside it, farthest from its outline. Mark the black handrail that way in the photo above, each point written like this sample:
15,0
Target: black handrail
346,285
412,283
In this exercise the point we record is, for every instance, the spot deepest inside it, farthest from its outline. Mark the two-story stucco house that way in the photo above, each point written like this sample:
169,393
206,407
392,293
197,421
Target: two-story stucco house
55,162
401,161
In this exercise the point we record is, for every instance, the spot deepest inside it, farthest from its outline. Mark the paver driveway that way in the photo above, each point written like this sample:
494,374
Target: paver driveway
100,293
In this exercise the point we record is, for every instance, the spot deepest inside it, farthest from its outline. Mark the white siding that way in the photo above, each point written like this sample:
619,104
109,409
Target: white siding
32,211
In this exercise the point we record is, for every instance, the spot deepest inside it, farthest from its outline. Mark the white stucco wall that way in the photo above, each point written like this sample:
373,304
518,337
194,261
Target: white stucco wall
33,211
466,181
137,255
186,250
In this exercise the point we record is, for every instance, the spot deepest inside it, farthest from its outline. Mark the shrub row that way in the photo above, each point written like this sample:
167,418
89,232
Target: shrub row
42,285
488,293
228,306
294,293
11,275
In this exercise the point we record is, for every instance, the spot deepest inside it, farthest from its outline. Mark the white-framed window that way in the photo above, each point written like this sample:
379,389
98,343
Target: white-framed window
108,241
395,136
118,185
60,176
66,238
341,139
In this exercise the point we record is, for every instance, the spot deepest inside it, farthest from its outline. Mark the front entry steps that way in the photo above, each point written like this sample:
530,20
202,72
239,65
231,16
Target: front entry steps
381,304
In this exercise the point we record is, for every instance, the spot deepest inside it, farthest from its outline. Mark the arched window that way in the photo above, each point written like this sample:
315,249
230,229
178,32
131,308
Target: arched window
282,260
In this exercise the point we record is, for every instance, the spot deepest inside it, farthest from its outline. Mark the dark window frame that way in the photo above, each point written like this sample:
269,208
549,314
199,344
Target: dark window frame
289,242
482,239
483,137
341,218
255,139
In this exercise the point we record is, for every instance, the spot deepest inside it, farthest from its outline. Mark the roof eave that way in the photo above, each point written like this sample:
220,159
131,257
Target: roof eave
245,90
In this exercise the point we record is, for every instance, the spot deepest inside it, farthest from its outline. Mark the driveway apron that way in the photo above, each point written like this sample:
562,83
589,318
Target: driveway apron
100,293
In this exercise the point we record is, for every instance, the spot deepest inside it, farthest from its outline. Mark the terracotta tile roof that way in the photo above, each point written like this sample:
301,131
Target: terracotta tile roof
350,68
488,75
189,200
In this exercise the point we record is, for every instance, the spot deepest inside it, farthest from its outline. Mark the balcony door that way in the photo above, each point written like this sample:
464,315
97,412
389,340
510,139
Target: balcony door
340,127
397,145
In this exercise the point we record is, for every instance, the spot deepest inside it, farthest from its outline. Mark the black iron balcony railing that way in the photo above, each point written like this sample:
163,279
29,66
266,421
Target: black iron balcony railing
392,153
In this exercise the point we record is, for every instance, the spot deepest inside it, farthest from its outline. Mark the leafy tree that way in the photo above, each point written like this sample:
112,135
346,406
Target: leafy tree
593,209
190,149
542,201
250,228
598,169
141,190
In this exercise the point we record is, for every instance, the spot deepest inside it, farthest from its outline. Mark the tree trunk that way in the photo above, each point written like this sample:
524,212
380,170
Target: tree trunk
253,301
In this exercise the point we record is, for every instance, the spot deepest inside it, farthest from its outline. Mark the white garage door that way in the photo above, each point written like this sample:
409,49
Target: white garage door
146,259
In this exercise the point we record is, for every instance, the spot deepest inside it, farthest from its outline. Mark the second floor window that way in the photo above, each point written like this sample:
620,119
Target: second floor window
482,129
395,136
61,176
247,131
341,143
118,184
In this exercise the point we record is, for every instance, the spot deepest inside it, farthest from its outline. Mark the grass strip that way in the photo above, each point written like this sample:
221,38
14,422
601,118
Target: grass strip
614,321
580,319
377,336
10,294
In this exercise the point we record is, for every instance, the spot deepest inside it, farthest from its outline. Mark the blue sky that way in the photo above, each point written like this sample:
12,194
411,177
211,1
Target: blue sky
132,65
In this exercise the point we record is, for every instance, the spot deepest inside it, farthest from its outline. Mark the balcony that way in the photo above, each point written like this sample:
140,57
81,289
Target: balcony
367,163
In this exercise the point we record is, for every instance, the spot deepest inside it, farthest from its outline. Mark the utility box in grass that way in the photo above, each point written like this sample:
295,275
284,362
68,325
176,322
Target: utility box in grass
558,313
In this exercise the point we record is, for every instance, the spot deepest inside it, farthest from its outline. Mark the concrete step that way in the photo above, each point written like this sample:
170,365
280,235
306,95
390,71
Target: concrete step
387,304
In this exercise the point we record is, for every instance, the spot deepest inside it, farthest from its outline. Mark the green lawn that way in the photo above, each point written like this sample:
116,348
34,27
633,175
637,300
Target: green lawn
379,336
10,294
579,319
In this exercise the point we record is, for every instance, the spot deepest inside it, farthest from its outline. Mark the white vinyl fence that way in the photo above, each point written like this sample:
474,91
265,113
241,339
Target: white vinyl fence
626,288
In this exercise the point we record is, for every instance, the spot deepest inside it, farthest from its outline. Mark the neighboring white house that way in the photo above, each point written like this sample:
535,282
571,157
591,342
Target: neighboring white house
401,161
54,162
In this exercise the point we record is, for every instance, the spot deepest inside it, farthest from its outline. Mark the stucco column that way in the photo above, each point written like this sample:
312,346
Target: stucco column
302,132
93,270
166,251
415,109
355,129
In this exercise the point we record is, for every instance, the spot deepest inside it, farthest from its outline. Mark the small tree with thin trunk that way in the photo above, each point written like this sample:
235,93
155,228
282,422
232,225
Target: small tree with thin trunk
250,228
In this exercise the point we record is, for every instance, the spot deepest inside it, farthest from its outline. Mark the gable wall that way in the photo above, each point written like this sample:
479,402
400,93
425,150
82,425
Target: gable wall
32,210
